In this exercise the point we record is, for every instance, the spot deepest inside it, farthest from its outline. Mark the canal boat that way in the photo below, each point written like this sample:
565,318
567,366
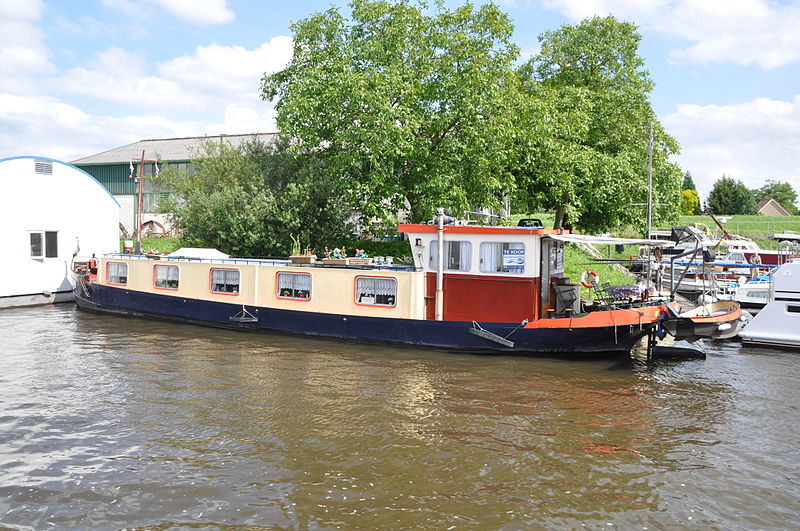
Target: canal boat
470,288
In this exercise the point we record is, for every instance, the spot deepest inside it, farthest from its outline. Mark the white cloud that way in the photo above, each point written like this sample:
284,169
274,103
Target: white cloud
45,126
213,77
220,70
752,141
200,12
197,12
22,48
743,32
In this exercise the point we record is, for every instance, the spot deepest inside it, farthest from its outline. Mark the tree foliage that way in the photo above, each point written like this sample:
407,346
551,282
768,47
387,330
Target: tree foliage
583,145
688,182
782,192
690,202
410,107
248,200
730,197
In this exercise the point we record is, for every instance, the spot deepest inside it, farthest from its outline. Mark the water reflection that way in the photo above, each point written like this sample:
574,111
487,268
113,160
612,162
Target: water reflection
110,422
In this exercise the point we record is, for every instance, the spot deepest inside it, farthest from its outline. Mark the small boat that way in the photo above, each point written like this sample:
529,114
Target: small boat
778,323
470,289
716,320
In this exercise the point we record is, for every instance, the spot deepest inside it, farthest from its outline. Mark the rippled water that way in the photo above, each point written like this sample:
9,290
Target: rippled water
108,422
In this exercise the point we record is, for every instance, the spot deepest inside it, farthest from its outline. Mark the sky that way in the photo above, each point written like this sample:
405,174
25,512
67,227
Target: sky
78,77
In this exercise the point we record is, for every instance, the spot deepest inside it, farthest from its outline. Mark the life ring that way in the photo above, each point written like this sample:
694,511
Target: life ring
585,275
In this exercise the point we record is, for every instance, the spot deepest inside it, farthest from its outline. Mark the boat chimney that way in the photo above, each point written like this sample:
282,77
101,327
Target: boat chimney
439,263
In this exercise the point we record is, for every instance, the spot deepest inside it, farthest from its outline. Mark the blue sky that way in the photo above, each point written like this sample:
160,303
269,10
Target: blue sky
82,76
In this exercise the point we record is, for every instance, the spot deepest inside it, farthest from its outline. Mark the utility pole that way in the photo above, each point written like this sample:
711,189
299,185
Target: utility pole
140,186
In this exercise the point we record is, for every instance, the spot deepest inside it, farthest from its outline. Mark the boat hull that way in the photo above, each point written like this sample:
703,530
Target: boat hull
449,335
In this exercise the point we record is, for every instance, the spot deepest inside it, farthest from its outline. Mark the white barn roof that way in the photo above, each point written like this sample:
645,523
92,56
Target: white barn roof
169,149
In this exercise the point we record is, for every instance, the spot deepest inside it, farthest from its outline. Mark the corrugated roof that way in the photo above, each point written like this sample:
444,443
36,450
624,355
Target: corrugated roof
167,149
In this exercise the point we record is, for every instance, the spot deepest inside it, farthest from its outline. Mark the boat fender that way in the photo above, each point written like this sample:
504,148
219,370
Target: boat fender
585,276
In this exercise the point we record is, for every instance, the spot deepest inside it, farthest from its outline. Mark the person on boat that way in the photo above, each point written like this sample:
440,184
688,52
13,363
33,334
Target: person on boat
93,264
756,261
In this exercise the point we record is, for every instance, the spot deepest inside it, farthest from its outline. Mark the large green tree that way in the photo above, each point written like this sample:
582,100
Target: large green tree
587,91
730,197
411,106
782,192
250,200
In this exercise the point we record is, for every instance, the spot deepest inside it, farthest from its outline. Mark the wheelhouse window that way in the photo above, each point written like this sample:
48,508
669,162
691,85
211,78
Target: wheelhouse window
294,286
117,273
225,281
44,244
457,255
502,257
376,291
166,276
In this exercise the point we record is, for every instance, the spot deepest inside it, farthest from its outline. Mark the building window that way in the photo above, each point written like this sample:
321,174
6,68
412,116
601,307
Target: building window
44,244
376,291
225,281
43,167
166,277
457,255
294,286
502,257
117,273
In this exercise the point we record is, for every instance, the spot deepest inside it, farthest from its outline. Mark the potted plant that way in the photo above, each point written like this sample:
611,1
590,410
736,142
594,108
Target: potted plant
298,257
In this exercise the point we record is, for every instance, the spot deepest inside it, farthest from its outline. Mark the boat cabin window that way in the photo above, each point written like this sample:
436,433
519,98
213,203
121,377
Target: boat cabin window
736,257
166,276
376,291
117,273
44,244
225,281
457,255
792,309
502,257
294,286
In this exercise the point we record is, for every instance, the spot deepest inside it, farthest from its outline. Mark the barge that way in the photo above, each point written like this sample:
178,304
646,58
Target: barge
470,289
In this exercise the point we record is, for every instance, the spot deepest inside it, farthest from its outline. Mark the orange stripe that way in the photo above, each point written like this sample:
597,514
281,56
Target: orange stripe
471,229
603,318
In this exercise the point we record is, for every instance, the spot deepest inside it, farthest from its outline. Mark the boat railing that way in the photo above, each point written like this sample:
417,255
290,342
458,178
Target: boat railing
275,262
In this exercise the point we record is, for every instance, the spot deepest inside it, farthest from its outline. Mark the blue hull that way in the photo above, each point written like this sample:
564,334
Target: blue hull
450,335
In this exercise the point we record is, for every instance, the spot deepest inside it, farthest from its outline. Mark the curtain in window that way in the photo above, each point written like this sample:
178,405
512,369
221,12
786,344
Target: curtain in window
117,273
456,255
167,276
294,285
491,257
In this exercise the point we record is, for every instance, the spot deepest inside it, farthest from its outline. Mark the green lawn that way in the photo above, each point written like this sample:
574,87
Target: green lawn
755,227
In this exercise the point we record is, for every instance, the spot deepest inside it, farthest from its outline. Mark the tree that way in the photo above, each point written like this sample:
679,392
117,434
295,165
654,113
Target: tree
589,161
410,107
783,193
688,184
690,202
249,200
730,197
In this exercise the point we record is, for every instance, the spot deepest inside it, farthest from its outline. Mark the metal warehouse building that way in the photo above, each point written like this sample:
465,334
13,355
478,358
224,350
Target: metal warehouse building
113,169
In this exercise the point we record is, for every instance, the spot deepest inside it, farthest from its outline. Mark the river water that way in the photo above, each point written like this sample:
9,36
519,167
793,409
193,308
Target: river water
108,422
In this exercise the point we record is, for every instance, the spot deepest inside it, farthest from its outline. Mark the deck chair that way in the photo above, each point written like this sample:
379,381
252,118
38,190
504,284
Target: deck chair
602,293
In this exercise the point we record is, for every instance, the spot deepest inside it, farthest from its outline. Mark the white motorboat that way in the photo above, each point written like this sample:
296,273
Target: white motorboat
779,322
